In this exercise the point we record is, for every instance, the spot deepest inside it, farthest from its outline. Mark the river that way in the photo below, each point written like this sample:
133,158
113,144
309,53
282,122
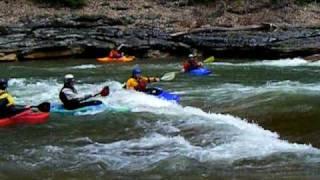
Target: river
248,120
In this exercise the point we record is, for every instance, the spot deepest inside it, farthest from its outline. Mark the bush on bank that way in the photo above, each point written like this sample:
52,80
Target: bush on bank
300,2
67,3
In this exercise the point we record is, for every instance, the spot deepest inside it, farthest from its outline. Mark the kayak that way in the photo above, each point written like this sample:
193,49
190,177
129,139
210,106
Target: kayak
166,95
25,117
87,110
122,59
200,72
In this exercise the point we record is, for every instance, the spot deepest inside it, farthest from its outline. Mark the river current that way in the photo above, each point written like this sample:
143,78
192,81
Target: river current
248,120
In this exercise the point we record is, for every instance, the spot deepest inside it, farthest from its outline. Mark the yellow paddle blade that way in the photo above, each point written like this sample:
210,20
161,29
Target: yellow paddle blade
209,59
168,76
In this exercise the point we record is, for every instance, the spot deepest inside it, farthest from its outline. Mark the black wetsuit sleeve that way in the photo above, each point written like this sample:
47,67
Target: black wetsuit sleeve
3,104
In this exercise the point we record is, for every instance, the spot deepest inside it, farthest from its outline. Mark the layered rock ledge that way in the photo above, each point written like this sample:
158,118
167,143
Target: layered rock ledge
94,36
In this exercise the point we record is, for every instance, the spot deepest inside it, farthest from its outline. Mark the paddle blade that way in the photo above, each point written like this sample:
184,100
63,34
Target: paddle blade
44,107
209,60
105,91
168,76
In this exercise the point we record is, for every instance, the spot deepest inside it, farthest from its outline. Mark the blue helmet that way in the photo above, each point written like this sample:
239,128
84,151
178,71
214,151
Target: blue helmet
3,84
136,71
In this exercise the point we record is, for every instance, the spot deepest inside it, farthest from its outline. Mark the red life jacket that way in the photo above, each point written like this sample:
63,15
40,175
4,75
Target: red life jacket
114,54
190,65
142,85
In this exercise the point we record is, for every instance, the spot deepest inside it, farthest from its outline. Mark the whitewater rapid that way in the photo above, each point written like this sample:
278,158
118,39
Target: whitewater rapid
215,138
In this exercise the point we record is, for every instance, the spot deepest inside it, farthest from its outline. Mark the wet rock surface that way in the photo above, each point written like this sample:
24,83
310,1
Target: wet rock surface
93,36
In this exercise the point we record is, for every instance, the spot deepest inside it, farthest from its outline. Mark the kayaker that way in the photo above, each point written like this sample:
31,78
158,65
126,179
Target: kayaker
191,64
138,82
115,52
70,97
8,107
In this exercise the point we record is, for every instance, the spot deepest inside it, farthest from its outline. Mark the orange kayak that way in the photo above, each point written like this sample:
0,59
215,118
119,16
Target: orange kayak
122,59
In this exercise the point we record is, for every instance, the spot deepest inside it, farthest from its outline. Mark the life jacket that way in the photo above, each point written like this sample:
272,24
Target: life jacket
190,65
64,98
138,84
5,96
114,54
142,85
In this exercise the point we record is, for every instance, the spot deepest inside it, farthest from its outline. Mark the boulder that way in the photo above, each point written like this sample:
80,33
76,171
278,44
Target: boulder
157,54
312,58
52,53
8,57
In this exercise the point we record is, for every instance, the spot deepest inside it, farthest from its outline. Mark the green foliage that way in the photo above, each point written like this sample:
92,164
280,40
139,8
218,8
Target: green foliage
199,1
300,2
303,2
69,3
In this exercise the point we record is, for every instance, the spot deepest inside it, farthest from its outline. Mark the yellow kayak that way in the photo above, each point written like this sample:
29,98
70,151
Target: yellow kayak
122,59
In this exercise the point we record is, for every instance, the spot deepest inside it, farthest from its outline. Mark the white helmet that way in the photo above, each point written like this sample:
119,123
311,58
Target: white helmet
191,56
68,78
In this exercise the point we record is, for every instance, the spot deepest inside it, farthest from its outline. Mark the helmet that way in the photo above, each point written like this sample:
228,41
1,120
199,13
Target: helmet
191,56
136,71
3,83
68,78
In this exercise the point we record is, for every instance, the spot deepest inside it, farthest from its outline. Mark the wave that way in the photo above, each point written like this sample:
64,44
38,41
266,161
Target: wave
278,63
85,66
175,131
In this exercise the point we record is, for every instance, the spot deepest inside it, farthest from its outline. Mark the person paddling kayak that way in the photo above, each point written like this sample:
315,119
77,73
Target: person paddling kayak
115,52
191,64
70,97
8,107
138,82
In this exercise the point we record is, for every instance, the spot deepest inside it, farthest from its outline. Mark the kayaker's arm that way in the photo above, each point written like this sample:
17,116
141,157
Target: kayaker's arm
131,84
70,95
185,67
85,97
152,79
200,64
3,103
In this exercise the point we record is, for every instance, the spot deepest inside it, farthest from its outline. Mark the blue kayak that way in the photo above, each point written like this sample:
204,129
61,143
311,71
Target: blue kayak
163,94
88,110
200,72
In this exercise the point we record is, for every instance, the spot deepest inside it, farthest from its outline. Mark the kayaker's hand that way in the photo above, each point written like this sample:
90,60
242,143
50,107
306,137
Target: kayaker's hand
88,96
27,107
157,79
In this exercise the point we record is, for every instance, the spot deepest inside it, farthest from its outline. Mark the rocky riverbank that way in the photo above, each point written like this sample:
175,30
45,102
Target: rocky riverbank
151,32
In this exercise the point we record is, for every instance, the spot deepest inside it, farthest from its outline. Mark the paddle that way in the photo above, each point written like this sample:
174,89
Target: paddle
43,107
209,60
104,92
171,75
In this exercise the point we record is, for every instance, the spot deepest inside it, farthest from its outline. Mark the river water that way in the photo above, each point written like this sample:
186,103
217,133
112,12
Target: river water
248,120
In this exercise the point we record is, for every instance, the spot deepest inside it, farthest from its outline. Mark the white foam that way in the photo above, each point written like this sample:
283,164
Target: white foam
281,62
240,139
85,66
239,91
32,91
237,138
288,62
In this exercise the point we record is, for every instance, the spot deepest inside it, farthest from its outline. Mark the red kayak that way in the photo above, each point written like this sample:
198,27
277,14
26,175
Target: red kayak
26,117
